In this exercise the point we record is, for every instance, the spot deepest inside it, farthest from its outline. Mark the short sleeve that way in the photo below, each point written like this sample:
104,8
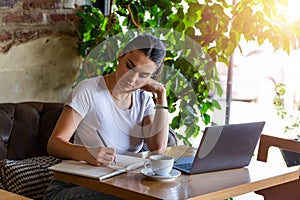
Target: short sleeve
80,99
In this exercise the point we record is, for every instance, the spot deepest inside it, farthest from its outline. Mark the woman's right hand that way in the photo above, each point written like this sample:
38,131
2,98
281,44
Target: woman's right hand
100,156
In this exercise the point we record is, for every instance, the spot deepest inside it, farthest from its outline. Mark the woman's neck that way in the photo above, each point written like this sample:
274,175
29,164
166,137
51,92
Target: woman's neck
114,91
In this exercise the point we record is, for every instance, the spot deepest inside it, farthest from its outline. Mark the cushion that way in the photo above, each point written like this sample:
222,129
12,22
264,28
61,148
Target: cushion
172,140
1,184
28,177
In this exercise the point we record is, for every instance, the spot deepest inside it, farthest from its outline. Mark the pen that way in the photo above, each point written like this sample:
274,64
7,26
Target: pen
123,170
117,172
104,143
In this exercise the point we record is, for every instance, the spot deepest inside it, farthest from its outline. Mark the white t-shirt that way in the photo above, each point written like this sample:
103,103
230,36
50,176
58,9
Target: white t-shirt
121,129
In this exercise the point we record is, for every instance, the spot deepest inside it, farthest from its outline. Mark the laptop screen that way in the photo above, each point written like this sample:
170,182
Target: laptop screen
223,147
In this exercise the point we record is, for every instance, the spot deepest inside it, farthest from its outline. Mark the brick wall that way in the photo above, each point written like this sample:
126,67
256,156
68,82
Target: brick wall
39,58
26,20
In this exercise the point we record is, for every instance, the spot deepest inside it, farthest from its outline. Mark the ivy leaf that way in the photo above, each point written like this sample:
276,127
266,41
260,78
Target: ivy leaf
180,13
216,104
219,89
176,122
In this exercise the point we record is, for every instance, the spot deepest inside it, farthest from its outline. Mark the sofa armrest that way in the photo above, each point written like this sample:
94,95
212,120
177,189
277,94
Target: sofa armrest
266,141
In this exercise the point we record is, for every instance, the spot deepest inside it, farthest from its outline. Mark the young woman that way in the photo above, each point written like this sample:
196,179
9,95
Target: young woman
120,108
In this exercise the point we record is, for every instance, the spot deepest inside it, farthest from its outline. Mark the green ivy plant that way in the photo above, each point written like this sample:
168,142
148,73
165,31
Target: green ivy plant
292,119
213,25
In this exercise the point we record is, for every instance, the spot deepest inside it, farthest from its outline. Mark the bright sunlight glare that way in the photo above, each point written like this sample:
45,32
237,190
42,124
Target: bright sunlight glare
293,10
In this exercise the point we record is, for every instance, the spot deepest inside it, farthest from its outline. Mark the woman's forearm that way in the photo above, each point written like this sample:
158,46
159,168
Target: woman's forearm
158,129
65,150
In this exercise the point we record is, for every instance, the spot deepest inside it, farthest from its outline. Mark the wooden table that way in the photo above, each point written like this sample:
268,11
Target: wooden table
214,185
5,195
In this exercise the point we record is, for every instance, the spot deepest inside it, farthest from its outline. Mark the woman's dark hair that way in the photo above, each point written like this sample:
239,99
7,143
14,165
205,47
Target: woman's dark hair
152,48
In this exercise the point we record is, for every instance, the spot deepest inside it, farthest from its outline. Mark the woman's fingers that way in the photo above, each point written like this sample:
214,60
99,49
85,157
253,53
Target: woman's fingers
101,156
153,86
106,155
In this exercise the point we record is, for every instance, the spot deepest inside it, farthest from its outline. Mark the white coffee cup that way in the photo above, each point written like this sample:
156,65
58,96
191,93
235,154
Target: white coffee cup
160,165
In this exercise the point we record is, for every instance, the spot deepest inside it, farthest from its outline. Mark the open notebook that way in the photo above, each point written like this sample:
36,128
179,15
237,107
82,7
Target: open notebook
123,164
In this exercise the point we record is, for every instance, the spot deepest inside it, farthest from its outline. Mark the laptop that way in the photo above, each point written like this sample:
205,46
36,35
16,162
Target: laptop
223,147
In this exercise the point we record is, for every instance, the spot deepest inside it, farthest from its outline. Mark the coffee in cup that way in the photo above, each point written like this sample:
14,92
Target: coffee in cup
160,165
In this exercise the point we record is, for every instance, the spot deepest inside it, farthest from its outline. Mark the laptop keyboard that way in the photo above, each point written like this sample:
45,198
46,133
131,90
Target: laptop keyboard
184,166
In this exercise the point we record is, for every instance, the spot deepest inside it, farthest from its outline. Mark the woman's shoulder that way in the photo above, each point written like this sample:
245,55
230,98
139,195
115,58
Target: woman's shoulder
93,82
89,86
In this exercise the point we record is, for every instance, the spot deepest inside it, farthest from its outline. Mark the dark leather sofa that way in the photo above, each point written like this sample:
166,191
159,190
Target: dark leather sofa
25,128
24,132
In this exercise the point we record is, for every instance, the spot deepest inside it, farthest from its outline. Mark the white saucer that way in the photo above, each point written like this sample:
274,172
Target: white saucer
173,174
